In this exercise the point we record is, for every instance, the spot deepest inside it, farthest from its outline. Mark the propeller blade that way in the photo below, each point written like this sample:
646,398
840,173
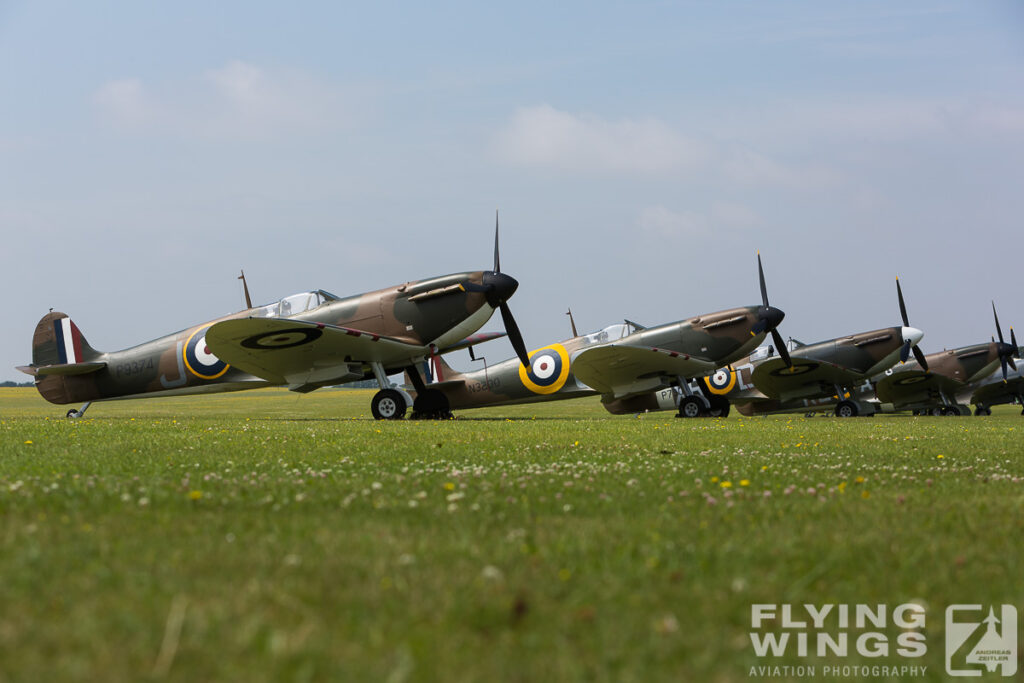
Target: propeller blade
995,315
1013,340
1002,362
903,304
760,326
905,352
760,275
514,335
1012,364
780,344
919,355
497,260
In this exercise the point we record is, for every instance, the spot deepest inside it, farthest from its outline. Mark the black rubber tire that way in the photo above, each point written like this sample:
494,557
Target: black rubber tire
388,404
691,406
846,409
431,404
982,411
73,413
951,411
719,407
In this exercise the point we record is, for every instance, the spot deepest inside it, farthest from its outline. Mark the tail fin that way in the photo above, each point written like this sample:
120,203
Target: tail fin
58,341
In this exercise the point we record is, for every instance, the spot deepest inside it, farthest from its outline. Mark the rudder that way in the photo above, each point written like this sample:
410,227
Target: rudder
58,341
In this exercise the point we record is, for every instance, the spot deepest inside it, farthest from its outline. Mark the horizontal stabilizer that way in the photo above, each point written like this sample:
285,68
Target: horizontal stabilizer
63,369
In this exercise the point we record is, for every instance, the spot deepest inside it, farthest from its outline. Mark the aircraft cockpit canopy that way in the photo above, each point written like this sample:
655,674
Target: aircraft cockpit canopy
608,334
294,304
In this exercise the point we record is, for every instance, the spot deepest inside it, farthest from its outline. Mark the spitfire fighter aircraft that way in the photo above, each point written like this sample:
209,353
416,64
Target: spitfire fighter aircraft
945,384
621,362
994,390
806,376
303,342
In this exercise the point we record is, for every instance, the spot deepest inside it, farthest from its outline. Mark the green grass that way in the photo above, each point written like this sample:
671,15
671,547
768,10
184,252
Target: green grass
272,536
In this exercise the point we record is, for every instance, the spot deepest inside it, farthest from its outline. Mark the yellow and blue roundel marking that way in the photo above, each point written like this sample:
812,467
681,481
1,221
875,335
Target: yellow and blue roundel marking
549,368
198,359
722,382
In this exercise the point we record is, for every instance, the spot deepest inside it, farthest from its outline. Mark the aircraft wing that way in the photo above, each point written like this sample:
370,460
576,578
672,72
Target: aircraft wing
618,368
303,354
997,391
915,386
806,378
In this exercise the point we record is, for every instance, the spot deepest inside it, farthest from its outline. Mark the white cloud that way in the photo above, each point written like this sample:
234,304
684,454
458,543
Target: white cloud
543,136
659,222
124,100
722,220
236,100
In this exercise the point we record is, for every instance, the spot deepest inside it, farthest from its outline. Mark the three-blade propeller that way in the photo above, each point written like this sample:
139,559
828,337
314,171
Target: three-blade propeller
1005,351
907,348
769,317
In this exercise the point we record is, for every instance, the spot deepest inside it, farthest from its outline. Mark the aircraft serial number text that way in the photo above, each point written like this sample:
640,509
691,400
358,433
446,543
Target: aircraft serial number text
134,367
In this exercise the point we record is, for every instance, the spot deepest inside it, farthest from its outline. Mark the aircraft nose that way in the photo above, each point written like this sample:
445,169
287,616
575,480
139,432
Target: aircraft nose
912,335
500,287
773,316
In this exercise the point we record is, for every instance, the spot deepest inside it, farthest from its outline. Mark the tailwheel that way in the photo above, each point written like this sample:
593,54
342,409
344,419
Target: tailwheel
387,404
846,409
431,404
73,413
691,406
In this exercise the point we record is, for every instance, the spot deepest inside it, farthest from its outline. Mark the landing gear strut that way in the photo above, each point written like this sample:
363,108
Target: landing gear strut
388,403
691,404
430,404
75,414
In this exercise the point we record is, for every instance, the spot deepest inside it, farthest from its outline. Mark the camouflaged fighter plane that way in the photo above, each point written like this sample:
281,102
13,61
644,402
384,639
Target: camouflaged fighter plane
945,385
304,341
806,377
620,362
994,390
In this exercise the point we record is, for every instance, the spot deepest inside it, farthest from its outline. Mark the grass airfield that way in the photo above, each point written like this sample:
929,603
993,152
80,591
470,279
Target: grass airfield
274,536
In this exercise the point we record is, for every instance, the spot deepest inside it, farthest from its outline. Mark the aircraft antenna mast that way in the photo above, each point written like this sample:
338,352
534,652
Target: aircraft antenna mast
245,286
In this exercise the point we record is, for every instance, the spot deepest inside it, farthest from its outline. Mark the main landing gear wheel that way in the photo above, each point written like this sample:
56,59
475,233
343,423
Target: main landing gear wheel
719,407
935,412
982,410
388,404
431,404
691,406
846,409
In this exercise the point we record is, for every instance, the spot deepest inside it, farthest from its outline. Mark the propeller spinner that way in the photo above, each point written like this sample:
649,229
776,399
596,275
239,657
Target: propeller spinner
910,337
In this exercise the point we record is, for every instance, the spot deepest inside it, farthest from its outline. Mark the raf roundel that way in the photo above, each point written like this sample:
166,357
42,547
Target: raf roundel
549,368
198,358
722,382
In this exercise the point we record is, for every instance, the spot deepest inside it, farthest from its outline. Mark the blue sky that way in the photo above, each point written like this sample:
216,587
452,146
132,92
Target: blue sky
639,153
